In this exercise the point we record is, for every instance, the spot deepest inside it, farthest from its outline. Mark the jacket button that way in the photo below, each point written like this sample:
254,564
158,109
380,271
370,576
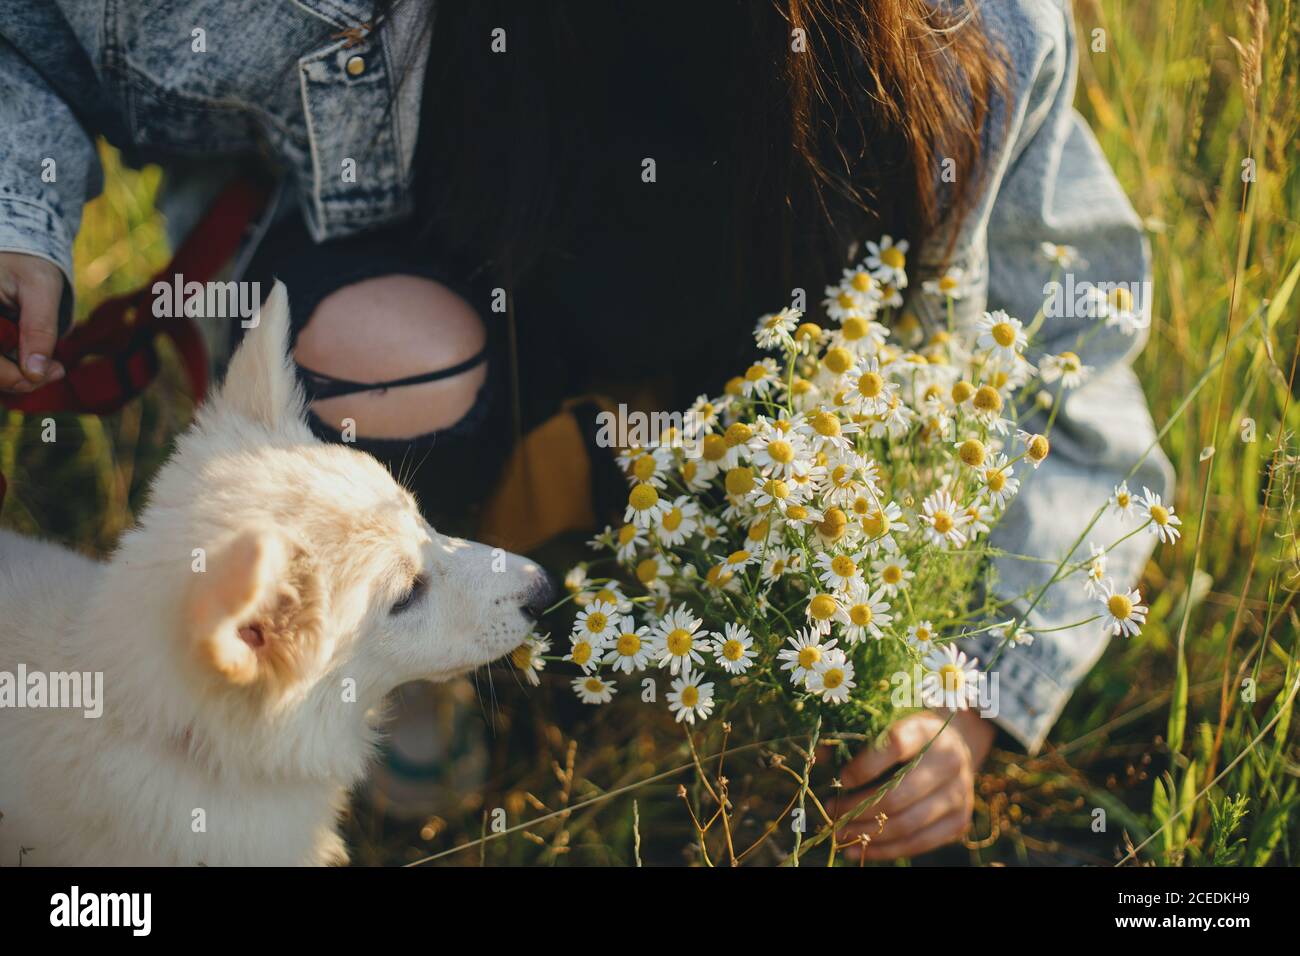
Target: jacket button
356,65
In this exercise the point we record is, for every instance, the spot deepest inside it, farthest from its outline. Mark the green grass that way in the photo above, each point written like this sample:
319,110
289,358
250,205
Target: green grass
1161,735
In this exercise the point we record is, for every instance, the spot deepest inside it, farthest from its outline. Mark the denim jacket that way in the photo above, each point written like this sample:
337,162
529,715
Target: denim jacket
309,89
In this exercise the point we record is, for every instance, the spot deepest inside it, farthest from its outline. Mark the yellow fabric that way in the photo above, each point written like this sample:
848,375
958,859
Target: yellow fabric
544,491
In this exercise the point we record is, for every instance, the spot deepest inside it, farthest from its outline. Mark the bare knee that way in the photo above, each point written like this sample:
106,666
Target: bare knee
388,328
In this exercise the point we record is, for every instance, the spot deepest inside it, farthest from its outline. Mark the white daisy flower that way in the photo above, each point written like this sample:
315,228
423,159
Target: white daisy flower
702,416
870,393
653,571
1067,366
921,636
1122,501
881,524
1003,336
803,655
866,614
678,521
630,648
644,506
777,562
593,689
1037,447
951,681
998,481
734,648
1125,612
584,652
887,261
782,454
1061,255
1094,582
596,622
1122,311
1020,637
950,285
629,540
773,331
892,573
943,519
759,378
676,642
980,518
840,572
1164,523
529,657
828,432
832,677
689,698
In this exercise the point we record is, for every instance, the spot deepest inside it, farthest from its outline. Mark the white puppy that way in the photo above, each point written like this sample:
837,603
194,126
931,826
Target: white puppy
276,589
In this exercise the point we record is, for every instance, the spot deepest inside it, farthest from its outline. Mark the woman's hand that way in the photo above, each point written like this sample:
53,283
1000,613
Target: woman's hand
30,288
933,803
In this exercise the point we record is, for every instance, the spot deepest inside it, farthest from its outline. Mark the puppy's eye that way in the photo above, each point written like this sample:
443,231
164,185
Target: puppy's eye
419,584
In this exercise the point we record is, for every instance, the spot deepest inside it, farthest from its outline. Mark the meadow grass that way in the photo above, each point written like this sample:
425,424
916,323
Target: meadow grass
1185,737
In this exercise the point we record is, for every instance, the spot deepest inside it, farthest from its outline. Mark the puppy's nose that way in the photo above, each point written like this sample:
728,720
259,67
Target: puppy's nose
540,595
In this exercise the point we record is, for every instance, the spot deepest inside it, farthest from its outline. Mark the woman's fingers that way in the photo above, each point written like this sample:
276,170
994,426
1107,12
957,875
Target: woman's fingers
947,829
903,742
32,287
936,770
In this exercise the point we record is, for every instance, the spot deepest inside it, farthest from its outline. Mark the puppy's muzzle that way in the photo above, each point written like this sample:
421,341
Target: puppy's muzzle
540,595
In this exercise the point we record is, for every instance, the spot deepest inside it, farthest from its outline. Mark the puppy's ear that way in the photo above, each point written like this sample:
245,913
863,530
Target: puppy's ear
255,613
260,382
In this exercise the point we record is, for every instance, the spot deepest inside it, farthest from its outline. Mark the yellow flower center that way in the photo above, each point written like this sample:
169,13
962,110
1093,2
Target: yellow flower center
843,566
892,574
1160,514
875,523
1004,333
647,570
862,281
996,479
923,635
643,497
626,533
690,695
673,519
796,512
733,650
893,257
1121,299
755,373
738,557
737,434
832,678
861,615
628,644
870,384
581,653
735,386
854,328
987,399
644,468
522,656
942,522
861,506
688,471
594,685
822,607
1071,362
961,391
808,331
782,452
947,283
1119,606
838,360
596,622
952,677
809,656
714,447
1038,448
679,641
776,488
833,525
740,481
718,576
1123,499
757,532
971,452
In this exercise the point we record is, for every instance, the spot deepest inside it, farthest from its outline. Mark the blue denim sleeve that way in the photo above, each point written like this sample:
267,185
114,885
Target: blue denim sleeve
1056,186
47,164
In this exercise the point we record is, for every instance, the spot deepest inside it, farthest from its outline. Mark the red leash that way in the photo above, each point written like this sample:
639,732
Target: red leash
111,357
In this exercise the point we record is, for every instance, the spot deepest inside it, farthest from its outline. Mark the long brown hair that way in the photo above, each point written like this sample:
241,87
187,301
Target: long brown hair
847,111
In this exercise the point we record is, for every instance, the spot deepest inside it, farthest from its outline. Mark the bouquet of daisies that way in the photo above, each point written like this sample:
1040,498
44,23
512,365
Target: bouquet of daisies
811,540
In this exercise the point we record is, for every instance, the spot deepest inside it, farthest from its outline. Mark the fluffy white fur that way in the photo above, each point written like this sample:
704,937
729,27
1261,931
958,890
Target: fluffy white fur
229,691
